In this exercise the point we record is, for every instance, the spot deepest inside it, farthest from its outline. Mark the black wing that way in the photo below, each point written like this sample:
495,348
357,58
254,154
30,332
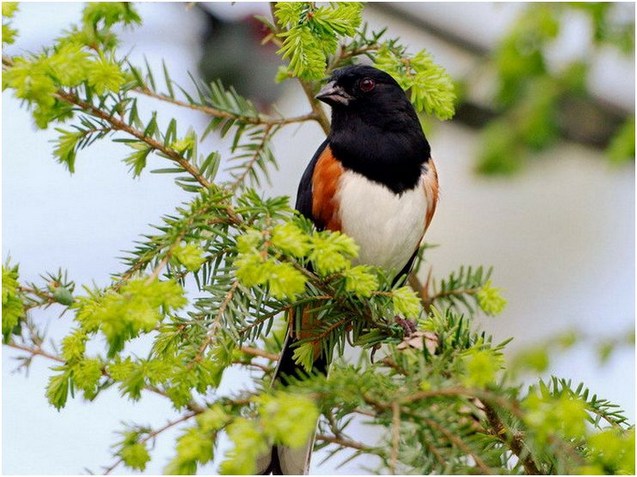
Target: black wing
304,194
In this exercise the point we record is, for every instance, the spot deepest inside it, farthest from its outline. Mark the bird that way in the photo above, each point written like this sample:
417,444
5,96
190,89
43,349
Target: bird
373,179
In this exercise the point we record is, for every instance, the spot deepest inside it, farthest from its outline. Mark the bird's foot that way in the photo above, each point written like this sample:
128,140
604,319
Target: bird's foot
408,326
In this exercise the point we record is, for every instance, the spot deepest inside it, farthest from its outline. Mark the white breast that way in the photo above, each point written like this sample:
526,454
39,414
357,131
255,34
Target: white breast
387,227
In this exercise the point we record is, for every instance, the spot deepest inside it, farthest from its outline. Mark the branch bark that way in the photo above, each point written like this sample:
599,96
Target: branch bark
513,440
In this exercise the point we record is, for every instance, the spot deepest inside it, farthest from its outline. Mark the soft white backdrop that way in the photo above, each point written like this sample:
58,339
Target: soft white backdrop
560,235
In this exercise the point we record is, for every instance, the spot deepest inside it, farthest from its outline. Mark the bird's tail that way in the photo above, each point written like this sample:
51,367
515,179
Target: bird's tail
283,460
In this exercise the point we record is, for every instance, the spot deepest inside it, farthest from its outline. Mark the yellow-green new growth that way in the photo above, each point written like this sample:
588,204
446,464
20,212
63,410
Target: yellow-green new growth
138,306
288,418
549,415
8,33
105,75
135,456
612,451
406,302
490,299
12,305
361,281
332,252
290,239
249,442
310,33
480,367
255,266
190,256
283,418
430,87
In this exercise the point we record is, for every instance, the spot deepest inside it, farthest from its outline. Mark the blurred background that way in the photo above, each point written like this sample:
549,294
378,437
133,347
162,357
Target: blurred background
536,171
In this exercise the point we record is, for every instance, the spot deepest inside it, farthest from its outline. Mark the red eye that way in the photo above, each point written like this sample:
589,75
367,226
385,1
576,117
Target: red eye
367,85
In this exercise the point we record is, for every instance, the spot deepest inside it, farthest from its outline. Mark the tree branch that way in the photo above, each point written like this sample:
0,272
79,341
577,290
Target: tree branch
215,325
317,109
341,441
36,351
395,436
259,353
219,113
120,125
513,440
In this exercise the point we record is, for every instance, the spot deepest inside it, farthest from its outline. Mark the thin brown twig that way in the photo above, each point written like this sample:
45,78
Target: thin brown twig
317,109
160,266
37,351
431,448
513,440
390,363
341,441
259,353
48,297
421,288
464,392
395,436
364,412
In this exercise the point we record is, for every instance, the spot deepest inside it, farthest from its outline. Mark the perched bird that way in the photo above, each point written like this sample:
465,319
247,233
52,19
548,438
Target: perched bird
373,179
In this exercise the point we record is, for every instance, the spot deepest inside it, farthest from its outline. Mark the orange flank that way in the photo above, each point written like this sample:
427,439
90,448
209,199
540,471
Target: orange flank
327,172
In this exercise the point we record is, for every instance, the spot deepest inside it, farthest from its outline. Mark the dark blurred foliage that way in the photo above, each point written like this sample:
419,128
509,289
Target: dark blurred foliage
233,53
535,105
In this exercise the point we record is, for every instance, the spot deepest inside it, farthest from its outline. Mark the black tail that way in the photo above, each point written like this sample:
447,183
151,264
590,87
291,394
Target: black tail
287,370
282,460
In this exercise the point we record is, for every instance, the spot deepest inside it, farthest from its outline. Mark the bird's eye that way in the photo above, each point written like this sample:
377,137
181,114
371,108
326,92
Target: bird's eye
367,84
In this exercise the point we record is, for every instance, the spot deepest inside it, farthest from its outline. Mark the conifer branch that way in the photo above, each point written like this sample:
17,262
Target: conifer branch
216,325
34,351
239,180
513,440
38,351
459,443
259,353
152,435
120,125
261,119
395,436
317,111
341,441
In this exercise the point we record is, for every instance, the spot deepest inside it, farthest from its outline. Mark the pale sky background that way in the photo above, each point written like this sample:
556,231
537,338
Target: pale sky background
560,235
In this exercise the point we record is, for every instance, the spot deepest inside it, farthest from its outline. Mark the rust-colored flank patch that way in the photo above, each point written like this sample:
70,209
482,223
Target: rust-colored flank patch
327,173
431,191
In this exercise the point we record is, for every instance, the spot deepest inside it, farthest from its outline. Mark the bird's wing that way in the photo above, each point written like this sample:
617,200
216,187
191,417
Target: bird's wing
304,193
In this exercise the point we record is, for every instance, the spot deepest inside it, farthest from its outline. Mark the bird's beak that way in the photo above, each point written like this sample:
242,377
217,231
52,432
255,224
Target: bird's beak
333,94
